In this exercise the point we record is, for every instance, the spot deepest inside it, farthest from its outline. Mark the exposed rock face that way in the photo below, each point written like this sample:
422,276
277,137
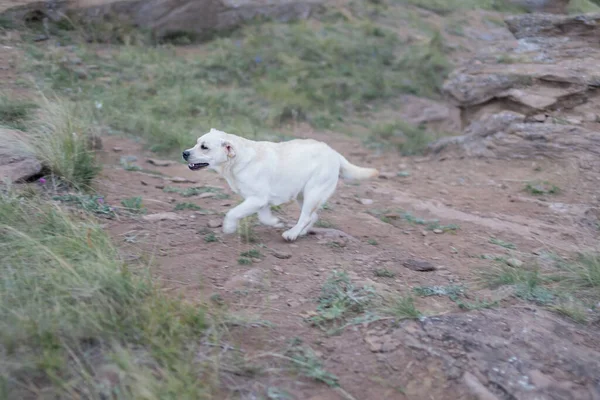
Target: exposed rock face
540,98
15,166
164,18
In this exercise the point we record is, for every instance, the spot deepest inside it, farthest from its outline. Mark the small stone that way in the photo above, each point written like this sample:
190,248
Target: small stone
282,255
161,187
253,278
161,216
159,163
144,183
206,195
386,175
214,223
178,179
539,117
365,202
514,262
418,265
424,233
117,149
293,303
438,231
277,268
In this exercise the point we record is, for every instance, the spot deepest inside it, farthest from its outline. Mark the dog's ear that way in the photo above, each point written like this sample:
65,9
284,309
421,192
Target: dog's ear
228,147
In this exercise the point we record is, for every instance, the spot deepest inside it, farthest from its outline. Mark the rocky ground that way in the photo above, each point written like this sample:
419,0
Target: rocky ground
526,101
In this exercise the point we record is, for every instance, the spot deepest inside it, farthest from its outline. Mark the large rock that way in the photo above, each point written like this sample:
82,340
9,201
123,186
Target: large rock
164,18
534,96
16,165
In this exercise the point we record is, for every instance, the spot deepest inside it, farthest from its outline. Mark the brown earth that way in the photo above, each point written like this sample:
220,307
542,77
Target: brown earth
428,358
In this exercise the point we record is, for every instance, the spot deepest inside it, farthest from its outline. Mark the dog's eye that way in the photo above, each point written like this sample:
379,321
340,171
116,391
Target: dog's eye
203,147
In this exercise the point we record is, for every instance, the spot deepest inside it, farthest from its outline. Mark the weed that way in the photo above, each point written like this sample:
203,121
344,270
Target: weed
275,393
60,138
444,7
476,305
339,299
583,6
573,310
528,283
90,203
246,230
541,188
408,139
253,253
401,307
210,238
187,206
192,191
373,242
308,364
134,205
324,224
244,261
582,276
69,306
14,113
451,291
384,273
501,243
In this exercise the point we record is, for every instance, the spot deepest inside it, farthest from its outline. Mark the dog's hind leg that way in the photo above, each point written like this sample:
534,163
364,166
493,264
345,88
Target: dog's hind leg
314,197
267,218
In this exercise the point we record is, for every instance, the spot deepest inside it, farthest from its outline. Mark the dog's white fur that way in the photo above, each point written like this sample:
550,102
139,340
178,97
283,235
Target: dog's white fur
267,173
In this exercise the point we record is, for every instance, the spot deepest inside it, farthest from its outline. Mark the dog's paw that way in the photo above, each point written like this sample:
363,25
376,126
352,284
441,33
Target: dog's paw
290,236
229,227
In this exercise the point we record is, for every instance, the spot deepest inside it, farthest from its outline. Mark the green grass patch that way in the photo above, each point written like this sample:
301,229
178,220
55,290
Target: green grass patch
72,313
541,188
384,273
583,6
306,363
325,72
401,307
93,204
444,7
192,191
134,205
253,253
61,138
15,113
187,206
502,243
339,300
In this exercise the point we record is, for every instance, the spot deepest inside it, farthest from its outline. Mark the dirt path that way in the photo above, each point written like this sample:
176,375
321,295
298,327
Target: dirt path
379,360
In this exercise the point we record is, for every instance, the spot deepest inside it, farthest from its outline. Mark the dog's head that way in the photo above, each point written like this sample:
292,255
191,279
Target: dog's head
212,149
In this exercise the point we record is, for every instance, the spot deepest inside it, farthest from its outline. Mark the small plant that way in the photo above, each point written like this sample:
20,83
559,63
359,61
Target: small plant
187,206
573,310
134,205
14,113
582,276
244,261
60,137
339,299
324,224
253,253
501,243
384,273
192,191
476,305
90,203
308,364
246,230
541,188
210,238
373,242
408,139
450,291
401,307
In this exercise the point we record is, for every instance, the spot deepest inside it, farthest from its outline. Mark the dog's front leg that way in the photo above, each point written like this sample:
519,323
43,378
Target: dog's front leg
248,207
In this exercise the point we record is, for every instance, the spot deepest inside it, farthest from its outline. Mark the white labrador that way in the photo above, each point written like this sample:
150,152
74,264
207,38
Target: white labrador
267,173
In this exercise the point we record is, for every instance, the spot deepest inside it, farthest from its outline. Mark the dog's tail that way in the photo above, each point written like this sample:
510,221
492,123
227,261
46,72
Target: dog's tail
351,171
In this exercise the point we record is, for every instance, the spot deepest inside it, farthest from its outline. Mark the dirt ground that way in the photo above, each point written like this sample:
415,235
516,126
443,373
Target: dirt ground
425,359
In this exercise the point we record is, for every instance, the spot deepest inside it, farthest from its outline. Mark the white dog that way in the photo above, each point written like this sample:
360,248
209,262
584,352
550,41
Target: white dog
268,174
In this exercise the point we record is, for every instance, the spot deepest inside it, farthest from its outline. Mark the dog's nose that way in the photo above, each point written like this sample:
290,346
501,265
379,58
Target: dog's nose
186,155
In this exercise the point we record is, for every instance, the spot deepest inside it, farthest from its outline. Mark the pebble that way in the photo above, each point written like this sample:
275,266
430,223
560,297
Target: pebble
282,255
161,216
159,163
365,202
214,223
424,233
117,149
514,262
438,231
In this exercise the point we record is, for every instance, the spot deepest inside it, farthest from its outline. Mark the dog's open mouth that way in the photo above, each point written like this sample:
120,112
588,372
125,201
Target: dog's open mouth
197,166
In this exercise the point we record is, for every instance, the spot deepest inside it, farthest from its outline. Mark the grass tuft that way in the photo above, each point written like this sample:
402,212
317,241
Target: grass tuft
401,307
61,139
73,314
15,113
